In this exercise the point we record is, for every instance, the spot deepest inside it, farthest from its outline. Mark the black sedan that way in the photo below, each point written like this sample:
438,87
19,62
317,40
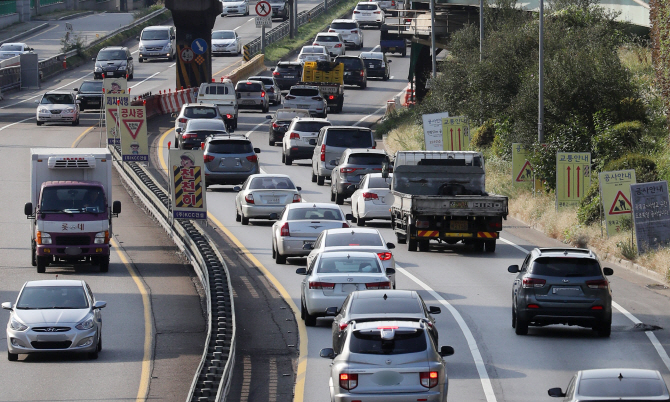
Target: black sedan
90,95
377,64
280,121
197,130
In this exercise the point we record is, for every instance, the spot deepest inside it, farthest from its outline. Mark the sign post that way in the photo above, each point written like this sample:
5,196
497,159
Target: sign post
187,169
651,214
264,19
573,177
615,198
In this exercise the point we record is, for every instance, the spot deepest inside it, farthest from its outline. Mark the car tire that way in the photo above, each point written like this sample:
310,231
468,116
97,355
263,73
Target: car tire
404,52
411,244
100,344
39,123
310,320
280,259
76,122
603,329
33,255
520,326
266,108
364,84
238,218
244,219
339,199
41,264
320,180
313,177
104,264
401,239
12,357
386,77
271,142
283,158
360,221
332,195
131,76
424,245
288,161
141,60
93,355
235,124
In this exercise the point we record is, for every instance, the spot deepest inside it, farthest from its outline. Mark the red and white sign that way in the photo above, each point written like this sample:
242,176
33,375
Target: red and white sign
133,127
263,8
186,55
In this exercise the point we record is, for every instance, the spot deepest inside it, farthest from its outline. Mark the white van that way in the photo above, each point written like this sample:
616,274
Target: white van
157,42
223,95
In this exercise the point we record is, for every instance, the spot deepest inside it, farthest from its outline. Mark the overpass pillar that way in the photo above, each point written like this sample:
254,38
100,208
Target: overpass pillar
193,20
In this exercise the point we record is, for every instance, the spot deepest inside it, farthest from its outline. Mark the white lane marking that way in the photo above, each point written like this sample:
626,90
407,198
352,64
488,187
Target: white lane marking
250,19
375,112
12,124
652,337
255,128
40,94
147,79
42,32
472,343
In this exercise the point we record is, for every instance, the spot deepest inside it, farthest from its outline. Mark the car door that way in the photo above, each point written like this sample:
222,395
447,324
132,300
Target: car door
337,329
356,199
317,151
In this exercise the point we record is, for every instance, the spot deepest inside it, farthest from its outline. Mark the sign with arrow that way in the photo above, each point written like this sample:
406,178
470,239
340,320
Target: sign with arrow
455,134
573,178
199,46
615,197
134,141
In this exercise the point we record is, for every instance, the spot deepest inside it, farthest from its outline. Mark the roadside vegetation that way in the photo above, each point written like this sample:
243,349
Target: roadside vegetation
601,95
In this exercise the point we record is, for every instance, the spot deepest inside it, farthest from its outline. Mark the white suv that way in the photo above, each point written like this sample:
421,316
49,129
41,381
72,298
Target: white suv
332,41
369,13
351,32
296,139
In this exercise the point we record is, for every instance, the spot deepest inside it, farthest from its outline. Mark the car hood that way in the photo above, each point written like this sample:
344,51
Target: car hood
58,106
51,316
233,4
222,41
153,43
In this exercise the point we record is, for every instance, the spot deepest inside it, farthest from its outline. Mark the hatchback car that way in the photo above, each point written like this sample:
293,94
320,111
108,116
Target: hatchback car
355,72
351,167
89,95
264,195
157,42
332,41
114,61
280,9
229,159
287,74
194,111
332,276
58,107
230,7
296,143
390,361
271,88
280,121
614,384
313,53
300,224
196,131
351,32
561,286
54,316
372,198
307,97
375,305
377,65
252,95
331,144
226,41
369,13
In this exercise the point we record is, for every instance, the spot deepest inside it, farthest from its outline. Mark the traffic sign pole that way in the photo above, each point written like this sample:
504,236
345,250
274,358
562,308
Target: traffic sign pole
263,39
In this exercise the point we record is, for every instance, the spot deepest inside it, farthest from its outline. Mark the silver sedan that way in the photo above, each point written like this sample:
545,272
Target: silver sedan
263,195
54,316
58,107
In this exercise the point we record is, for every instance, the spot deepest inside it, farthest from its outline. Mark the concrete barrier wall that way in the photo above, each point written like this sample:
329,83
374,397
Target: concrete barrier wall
252,67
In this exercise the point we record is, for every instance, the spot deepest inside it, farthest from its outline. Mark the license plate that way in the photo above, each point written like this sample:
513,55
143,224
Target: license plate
392,49
458,225
348,288
367,14
566,289
371,66
289,76
303,106
272,200
153,54
458,204
311,243
247,102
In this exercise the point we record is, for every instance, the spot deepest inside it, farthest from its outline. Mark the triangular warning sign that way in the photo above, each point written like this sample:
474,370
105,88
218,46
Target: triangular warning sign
113,113
133,127
526,173
621,205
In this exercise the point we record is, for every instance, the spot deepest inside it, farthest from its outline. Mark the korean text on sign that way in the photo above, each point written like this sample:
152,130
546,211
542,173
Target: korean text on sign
615,197
651,215
573,177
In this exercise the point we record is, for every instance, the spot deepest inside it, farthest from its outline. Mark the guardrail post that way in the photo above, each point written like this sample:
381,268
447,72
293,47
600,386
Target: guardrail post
246,53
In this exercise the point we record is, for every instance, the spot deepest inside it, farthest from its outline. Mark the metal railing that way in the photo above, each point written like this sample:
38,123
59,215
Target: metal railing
7,7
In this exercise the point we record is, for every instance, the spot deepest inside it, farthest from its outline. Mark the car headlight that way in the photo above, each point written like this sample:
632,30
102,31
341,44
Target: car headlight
98,68
123,67
86,324
69,110
43,110
43,238
142,48
17,325
101,238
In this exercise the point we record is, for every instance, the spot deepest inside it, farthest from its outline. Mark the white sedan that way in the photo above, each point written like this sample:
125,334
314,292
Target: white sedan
58,107
300,224
226,42
332,276
332,41
263,195
372,199
229,7
313,53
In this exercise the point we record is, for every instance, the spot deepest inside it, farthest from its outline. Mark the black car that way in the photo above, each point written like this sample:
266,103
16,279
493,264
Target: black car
90,95
114,61
281,120
381,305
197,131
287,74
377,65
561,286
354,71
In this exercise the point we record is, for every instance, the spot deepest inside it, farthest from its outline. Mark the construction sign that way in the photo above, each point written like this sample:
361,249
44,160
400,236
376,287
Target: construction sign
573,177
187,172
522,171
455,134
115,86
615,198
111,122
133,129
432,130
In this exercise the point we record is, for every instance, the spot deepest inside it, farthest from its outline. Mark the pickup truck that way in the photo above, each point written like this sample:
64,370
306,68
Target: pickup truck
440,196
391,41
329,77
222,94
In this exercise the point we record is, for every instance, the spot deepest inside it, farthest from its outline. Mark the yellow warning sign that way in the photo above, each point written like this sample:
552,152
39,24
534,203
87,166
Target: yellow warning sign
522,171
573,177
615,196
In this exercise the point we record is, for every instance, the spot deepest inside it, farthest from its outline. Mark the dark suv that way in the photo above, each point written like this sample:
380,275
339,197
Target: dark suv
561,286
287,74
354,71
114,61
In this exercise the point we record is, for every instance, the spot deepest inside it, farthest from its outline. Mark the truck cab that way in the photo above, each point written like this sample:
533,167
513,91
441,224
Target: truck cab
223,95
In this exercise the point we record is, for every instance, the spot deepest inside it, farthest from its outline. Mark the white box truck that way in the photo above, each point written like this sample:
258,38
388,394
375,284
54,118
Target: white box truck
69,208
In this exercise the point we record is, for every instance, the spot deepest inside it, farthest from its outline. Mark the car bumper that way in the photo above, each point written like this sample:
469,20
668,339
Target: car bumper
189,144
353,79
251,104
155,55
277,135
317,303
582,316
44,117
369,20
72,252
233,11
261,211
29,341
313,109
323,171
376,72
112,74
292,247
90,102
224,50
375,212
431,396
300,152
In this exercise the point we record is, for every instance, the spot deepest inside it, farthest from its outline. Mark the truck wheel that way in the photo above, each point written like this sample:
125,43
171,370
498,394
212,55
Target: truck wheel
478,245
490,246
104,264
42,263
340,105
404,52
320,180
424,245
313,177
339,199
271,142
411,244
33,253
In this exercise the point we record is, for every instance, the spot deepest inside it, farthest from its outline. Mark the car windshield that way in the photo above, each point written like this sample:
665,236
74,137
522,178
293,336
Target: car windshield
271,183
565,266
349,138
367,159
290,115
57,99
11,48
386,306
343,25
350,63
230,147
52,297
199,112
91,87
310,126
353,239
348,265
326,214
616,388
105,55
304,92
366,7
370,342
223,34
248,87
326,38
155,34
379,182
75,199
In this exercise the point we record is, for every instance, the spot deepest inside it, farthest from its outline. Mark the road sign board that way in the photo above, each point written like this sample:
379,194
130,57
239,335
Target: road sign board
199,46
134,141
263,8
455,134
111,123
615,197
651,214
186,55
264,22
573,177
522,171
432,130
187,184
117,85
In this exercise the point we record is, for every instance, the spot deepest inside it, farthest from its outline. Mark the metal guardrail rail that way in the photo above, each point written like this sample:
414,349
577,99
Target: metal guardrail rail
211,382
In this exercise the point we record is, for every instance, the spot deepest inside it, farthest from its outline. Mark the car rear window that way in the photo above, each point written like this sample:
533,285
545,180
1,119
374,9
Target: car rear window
367,159
304,92
288,69
369,342
327,214
565,266
366,7
374,63
350,63
200,112
217,90
209,124
230,147
343,25
379,182
346,265
388,306
249,87
353,239
289,115
310,126
326,38
349,138
616,388
271,183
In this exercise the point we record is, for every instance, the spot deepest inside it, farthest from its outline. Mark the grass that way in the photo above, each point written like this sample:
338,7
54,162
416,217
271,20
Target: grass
282,48
141,12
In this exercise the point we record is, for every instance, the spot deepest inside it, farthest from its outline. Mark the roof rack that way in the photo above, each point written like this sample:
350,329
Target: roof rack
565,250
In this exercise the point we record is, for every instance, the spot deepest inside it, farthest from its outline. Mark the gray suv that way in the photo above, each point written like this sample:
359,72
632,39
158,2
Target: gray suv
114,61
352,166
561,286
331,143
251,94
229,159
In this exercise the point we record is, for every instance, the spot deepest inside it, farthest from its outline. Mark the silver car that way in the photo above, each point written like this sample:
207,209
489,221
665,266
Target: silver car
226,42
229,159
264,195
330,145
352,166
313,53
297,137
350,30
234,7
389,361
332,41
58,107
307,97
251,94
157,42
54,316
300,224
332,276
271,88
614,384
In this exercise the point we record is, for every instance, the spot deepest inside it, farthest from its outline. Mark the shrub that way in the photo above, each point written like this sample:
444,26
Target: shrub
396,119
616,141
645,168
590,208
484,135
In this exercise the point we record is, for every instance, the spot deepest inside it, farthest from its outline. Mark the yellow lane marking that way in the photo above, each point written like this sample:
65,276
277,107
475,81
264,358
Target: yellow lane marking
81,137
161,140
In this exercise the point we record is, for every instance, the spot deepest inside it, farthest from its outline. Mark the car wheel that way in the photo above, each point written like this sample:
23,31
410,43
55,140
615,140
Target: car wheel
141,60
520,326
280,259
131,76
332,195
93,355
313,177
339,199
490,246
360,221
603,329
33,255
274,251
404,52
364,84
76,122
39,123
244,219
41,264
283,158
12,357
424,245
81,109
310,320
288,161
320,180
386,77
104,264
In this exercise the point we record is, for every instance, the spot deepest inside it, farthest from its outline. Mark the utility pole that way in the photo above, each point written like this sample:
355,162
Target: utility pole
481,29
540,111
291,19
432,37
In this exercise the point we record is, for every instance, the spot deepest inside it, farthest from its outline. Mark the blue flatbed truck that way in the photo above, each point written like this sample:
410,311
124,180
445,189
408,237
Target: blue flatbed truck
390,41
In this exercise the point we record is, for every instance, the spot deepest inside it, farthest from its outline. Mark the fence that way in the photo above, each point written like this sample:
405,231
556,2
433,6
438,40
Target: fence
7,7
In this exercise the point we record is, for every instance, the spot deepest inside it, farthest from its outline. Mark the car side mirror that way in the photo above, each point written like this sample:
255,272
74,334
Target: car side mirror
312,141
308,246
608,271
331,311
237,188
268,117
178,130
130,58
301,271
116,207
298,188
274,216
257,150
37,102
327,353
78,102
390,246
434,310
390,271
446,351
28,208
100,304
513,269
349,217
352,187
385,169
76,89
556,393
7,306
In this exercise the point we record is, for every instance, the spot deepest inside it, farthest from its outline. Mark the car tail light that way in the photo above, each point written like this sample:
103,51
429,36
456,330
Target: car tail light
294,136
296,198
275,125
529,282
331,97
321,285
385,256
393,3
208,158
189,136
355,31
343,325
597,308
284,230
378,285
262,94
597,284
348,381
289,97
345,225
362,73
275,73
331,30
356,12
408,20
338,45
429,379
370,196
317,98
422,224
533,306
183,120
323,152
249,198
229,116
248,83
495,225
348,170
378,12
252,158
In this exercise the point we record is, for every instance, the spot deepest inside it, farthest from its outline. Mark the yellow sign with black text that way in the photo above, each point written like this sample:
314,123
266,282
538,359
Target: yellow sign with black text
573,177
615,197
